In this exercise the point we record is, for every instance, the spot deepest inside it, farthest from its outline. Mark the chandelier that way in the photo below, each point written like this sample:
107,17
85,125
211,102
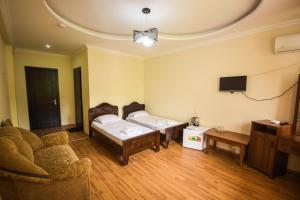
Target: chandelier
148,36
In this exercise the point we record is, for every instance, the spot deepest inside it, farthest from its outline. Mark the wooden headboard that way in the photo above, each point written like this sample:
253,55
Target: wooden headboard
102,109
134,106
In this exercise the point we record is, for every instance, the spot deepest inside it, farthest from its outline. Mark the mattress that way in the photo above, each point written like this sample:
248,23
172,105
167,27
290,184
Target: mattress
154,122
121,130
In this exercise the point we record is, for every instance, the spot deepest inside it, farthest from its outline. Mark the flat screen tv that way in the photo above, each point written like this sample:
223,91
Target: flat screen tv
234,83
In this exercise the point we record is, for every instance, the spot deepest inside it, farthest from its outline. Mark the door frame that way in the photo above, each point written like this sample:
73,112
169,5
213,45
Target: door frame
81,107
27,70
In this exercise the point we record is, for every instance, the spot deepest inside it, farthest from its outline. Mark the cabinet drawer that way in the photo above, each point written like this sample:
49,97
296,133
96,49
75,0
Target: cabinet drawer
289,147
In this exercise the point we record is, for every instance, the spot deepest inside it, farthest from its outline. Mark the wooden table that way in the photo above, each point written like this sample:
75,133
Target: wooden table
228,137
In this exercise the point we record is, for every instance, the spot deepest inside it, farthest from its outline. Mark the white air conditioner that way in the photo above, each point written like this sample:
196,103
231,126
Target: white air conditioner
288,43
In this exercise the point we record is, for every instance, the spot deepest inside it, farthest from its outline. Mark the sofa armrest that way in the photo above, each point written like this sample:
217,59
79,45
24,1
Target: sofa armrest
59,138
75,169
24,177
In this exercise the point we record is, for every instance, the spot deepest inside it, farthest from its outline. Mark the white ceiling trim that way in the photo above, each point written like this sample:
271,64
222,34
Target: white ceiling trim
275,26
163,36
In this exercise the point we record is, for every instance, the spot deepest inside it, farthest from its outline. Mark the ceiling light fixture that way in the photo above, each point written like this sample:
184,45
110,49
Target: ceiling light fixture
62,25
48,46
147,37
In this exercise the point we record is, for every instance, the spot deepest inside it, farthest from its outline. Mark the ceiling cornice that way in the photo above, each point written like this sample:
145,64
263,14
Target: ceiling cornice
161,36
41,52
6,22
270,27
91,46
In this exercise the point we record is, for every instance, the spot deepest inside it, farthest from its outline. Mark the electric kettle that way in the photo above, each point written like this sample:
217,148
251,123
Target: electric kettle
195,121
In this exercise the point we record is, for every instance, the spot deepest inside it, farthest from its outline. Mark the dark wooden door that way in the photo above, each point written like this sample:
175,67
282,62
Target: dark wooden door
78,98
43,97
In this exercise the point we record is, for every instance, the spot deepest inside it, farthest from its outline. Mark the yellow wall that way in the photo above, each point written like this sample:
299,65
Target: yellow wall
24,58
185,84
80,59
115,78
11,84
4,97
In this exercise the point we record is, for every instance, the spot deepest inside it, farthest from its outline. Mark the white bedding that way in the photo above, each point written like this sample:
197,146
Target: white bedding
121,130
154,122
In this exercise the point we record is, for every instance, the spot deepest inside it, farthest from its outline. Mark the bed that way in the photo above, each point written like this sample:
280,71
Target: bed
169,129
141,138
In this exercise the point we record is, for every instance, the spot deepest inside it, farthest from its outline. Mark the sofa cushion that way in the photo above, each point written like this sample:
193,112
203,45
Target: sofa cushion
53,139
32,139
6,123
22,146
10,131
12,160
55,158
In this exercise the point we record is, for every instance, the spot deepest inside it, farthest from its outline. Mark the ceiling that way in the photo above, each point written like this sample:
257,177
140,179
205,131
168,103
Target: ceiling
31,24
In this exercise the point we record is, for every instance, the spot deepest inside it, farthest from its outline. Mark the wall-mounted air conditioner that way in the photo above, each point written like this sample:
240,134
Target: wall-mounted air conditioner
288,43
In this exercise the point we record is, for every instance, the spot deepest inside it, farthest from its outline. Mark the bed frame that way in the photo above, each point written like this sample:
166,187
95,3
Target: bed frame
174,132
130,146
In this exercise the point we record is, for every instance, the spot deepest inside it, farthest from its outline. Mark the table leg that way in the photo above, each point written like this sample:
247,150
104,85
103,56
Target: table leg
215,144
207,145
242,152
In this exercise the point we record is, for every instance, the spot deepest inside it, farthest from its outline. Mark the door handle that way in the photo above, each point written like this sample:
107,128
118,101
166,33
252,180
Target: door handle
55,102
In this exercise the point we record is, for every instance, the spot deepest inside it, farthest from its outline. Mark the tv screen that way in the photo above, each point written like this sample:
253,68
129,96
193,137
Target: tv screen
234,83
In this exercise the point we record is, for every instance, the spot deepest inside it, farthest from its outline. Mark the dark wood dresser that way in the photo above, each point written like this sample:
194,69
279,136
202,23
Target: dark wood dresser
289,144
263,153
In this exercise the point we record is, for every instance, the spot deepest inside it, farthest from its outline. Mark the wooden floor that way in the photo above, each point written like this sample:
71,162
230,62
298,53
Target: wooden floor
178,173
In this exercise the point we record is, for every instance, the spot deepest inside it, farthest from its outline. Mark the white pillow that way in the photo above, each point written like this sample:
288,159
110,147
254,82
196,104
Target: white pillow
106,119
140,113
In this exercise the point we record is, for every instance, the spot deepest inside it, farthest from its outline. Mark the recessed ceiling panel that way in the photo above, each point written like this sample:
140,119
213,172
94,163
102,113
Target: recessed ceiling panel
169,16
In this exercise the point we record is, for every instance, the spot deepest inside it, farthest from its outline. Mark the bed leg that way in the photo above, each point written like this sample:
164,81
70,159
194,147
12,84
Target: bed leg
91,133
157,148
165,143
167,140
124,161
157,142
125,158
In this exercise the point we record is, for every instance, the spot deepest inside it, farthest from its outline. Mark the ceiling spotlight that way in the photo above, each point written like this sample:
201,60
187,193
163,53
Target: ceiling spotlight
48,46
61,25
147,37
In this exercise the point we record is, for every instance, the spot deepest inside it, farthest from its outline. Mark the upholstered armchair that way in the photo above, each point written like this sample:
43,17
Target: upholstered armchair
41,168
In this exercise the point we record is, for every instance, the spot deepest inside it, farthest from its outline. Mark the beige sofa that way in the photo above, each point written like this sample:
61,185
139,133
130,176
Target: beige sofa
41,168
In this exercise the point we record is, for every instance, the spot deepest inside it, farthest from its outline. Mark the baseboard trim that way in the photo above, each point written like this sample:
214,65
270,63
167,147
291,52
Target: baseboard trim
290,171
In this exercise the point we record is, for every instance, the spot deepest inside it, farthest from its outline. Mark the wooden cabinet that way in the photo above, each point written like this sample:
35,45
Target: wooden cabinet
263,154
